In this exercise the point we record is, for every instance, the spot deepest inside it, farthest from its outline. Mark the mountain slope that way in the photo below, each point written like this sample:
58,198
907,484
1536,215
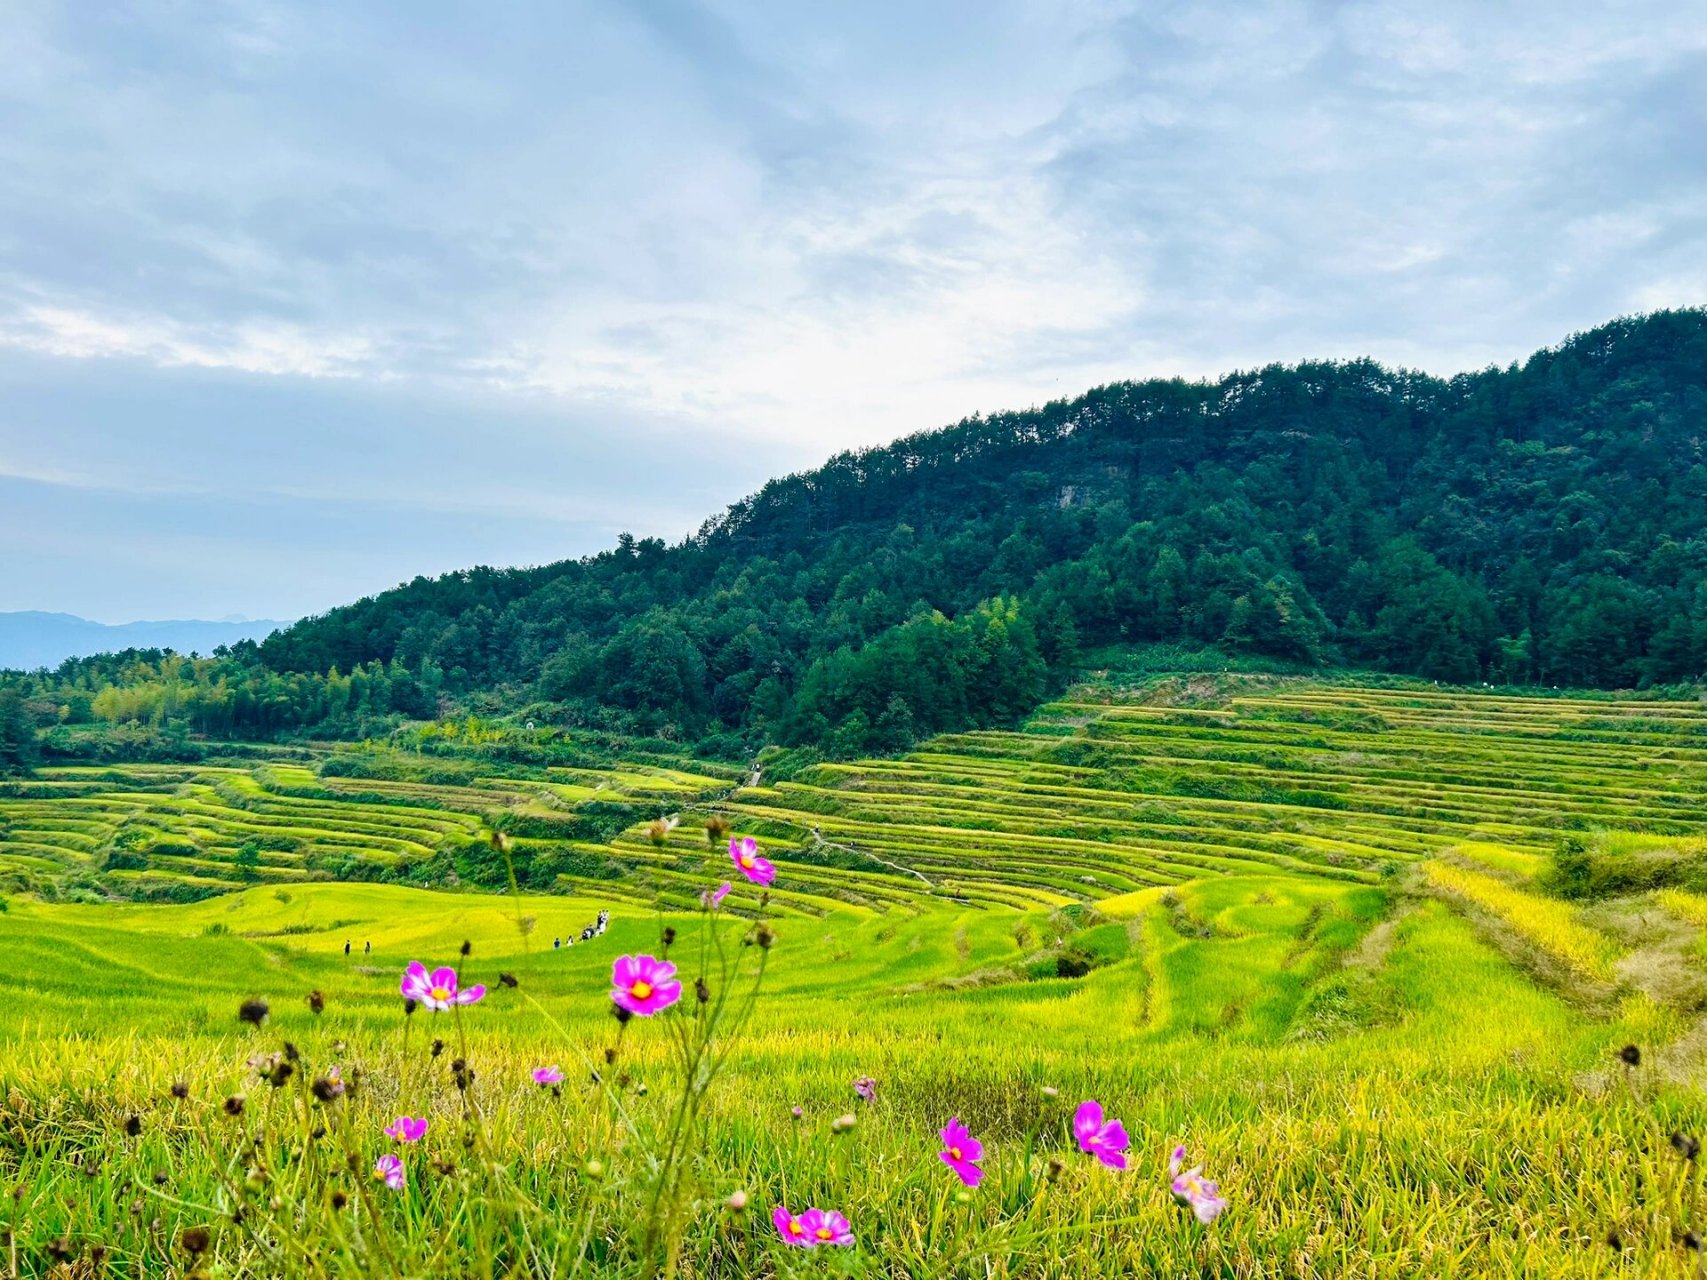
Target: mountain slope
1543,523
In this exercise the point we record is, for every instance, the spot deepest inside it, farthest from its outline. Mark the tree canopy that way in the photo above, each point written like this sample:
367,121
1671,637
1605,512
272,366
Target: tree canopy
1544,522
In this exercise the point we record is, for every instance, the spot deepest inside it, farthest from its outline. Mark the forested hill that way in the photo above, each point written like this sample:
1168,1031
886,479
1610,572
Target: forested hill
1541,523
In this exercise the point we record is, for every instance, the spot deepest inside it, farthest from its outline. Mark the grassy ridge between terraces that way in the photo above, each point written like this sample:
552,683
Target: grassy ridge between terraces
1297,927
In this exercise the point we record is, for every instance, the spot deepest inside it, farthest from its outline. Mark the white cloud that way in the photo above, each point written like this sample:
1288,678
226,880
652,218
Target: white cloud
779,231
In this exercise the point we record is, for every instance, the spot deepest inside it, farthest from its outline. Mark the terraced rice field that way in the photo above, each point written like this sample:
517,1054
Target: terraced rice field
1312,930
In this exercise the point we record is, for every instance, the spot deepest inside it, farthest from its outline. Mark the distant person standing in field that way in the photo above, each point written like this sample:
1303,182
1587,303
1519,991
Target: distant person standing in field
556,943
346,946
367,948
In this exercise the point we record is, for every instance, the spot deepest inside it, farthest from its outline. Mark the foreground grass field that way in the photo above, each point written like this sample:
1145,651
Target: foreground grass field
1299,929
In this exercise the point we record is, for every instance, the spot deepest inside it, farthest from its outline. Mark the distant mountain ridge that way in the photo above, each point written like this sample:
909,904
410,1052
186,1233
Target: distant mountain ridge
32,639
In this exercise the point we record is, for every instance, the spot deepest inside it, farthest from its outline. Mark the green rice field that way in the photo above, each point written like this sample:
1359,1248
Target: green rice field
1371,954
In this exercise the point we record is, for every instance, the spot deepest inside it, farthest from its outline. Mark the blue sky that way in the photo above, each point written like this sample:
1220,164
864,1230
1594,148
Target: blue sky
298,301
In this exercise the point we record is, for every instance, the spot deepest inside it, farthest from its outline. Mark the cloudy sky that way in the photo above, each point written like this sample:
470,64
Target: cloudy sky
300,300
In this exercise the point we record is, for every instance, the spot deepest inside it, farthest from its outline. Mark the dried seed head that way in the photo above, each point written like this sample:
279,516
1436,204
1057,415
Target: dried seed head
1056,1167
279,1074
290,1052
610,1056
194,1241
316,1002
60,1250
339,1200
669,936
133,1125
410,1005
180,1090
1050,1092
438,1047
620,1014
467,948
1630,1056
1692,1241
508,979
253,1011
701,992
234,1105
160,1177
844,1124
764,935
1686,1146
324,1089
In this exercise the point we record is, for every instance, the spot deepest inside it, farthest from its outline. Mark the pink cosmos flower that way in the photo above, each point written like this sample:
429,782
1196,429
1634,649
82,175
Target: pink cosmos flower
437,990
711,899
1104,1141
389,1170
961,1152
644,984
744,853
1195,1192
406,1129
866,1087
792,1229
547,1075
826,1226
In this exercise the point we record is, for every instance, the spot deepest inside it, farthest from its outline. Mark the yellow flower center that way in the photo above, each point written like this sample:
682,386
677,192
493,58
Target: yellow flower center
824,1233
746,863
440,993
794,1227
955,1152
640,990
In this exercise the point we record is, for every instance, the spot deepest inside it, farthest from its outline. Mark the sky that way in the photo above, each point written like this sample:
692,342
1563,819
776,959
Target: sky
298,301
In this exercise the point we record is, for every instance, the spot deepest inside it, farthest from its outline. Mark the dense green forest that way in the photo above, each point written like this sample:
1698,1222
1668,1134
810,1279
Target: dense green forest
1543,523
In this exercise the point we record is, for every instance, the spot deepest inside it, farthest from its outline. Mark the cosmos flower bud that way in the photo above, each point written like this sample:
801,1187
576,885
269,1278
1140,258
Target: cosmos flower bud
438,1047
764,935
290,1052
962,1197
737,1202
621,1014
410,1005
610,1056
467,948
844,1124
1050,1092
595,1170
799,1112
669,935
253,1011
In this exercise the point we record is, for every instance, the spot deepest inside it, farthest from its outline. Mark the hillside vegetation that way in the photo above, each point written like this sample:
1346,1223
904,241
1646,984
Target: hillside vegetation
1540,524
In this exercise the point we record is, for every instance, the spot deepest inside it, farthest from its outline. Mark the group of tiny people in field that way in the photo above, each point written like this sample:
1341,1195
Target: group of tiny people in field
587,935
